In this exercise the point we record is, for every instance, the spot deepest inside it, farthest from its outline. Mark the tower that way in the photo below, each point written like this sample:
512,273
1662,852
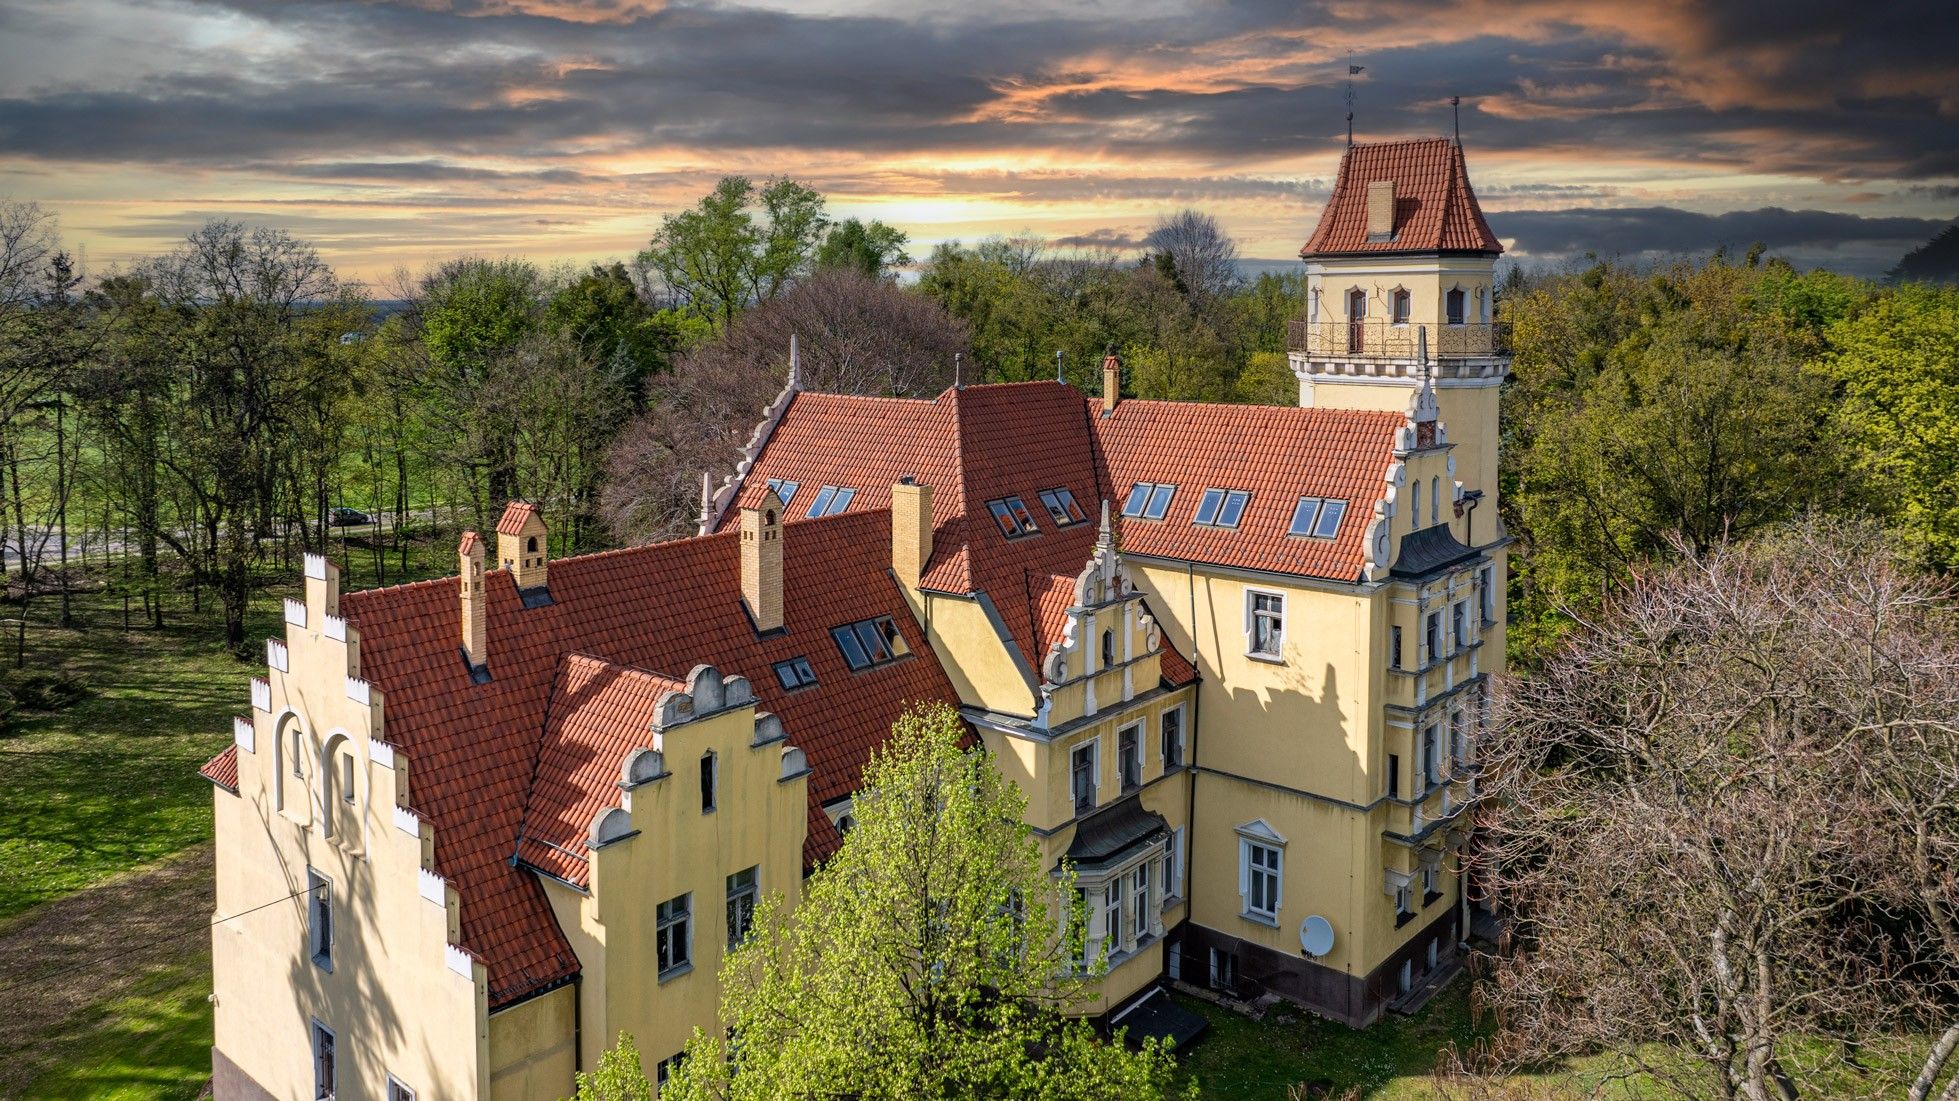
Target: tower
1400,283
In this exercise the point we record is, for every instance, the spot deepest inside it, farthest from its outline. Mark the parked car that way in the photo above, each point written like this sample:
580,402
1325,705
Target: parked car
348,517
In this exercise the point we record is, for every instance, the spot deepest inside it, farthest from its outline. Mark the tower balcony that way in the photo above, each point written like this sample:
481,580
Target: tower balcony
1381,340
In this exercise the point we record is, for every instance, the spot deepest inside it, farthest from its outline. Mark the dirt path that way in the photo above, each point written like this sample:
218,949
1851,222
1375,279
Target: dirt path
61,958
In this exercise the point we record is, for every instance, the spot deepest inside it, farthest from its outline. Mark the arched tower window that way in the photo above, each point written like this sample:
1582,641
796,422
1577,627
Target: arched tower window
1455,306
530,545
1356,320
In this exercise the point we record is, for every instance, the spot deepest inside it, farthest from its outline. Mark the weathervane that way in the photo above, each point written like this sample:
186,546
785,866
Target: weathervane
1352,72
1455,108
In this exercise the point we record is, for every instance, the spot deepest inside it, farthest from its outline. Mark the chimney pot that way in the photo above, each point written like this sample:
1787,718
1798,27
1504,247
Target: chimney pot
1111,381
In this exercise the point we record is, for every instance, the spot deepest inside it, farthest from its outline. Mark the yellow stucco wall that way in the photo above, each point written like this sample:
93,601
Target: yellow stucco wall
532,1049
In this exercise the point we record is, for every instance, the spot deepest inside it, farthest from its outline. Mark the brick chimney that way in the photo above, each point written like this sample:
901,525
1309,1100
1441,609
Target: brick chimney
475,615
523,544
1111,382
1380,210
911,530
761,562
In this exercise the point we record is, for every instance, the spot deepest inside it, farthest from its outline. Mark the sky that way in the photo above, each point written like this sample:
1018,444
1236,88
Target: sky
393,134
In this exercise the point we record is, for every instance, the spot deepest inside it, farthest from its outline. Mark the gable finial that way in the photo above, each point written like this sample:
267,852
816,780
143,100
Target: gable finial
1107,537
1353,71
1455,107
1059,374
795,363
958,358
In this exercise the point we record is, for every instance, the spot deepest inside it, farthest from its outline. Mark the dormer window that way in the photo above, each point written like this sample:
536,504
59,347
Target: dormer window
831,500
1062,507
1317,518
1455,306
1013,517
1148,500
1401,306
784,489
1221,508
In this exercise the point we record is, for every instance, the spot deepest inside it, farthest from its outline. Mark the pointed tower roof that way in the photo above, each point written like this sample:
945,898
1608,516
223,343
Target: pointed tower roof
1435,210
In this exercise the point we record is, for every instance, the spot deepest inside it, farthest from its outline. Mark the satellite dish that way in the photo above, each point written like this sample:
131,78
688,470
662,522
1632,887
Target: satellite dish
1316,936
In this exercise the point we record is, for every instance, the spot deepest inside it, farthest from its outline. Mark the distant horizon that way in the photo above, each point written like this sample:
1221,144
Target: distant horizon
401,132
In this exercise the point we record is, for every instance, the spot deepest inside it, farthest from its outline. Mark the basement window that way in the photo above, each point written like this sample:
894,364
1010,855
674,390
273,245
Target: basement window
869,643
1013,517
831,500
1149,500
1221,508
784,489
1317,518
795,673
1061,505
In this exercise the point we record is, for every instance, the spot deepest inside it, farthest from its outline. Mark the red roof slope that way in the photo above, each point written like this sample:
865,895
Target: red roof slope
472,748
515,515
1435,210
222,770
600,712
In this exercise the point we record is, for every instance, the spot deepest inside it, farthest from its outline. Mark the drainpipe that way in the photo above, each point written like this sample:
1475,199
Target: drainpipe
577,1029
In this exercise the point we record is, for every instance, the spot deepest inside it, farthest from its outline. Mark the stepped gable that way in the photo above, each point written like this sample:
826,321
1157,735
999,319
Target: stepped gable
1435,209
472,749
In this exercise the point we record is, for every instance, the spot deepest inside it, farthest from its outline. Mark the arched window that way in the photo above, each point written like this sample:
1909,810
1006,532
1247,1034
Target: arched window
1108,648
768,516
1401,306
296,750
1356,321
1455,305
1415,504
1482,305
1435,500
530,545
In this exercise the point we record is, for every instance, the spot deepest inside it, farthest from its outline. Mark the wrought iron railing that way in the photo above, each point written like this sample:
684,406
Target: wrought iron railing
1383,340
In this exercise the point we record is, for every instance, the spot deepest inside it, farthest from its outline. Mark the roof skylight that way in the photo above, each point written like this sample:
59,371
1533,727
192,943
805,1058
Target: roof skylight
784,489
831,500
1061,505
1013,516
1222,508
1149,500
1317,517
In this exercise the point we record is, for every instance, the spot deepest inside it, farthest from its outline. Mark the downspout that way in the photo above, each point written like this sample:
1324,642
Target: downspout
1190,789
577,1030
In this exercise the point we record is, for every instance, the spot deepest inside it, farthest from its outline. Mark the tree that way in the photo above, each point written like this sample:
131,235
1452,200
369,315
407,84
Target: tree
1695,816
619,1077
1898,365
612,324
933,956
715,260
1202,256
857,335
1935,261
871,248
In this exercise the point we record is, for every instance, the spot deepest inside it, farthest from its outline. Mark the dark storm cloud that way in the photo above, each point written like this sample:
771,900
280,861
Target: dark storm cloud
1654,231
1105,238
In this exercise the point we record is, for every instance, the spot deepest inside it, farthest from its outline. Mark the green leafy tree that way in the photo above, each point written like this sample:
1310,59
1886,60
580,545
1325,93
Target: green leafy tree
872,248
933,956
717,259
470,313
1898,365
603,312
619,1076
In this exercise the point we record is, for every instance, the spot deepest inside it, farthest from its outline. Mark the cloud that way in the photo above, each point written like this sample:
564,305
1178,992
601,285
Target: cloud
1105,238
1849,241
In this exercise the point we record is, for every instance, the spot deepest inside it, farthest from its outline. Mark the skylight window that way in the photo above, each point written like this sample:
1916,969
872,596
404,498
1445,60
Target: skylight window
1013,516
1317,518
795,673
1149,500
1061,505
785,490
1222,508
831,500
869,643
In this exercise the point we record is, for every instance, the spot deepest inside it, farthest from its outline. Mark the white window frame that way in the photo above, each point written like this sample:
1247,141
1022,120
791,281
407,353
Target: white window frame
1173,860
1258,835
749,896
1459,624
398,1090
1136,731
1112,914
1165,741
1252,617
319,919
683,917
1139,889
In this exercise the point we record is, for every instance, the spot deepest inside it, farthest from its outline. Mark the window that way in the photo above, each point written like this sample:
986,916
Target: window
1459,623
1112,915
1404,903
1062,508
1415,504
1129,757
1139,892
870,642
1081,901
1173,860
1401,307
674,939
298,752
1081,774
319,919
530,545
1261,879
347,778
1148,500
1486,594
397,1091
1394,775
784,488
1458,742
795,673
1435,500
1221,508
1173,738
1394,647
664,1069
1482,305
1266,613
1455,306
1224,970
1013,517
1431,757
1108,648
1432,636
325,1079
742,893
1317,518
707,781
831,500
1431,884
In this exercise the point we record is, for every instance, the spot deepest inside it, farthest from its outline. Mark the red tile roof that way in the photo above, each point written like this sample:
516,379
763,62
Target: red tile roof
470,541
222,770
515,515
1435,210
472,748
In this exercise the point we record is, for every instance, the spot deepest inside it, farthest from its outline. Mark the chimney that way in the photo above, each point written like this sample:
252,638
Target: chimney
911,530
761,562
1111,382
475,613
523,544
1380,210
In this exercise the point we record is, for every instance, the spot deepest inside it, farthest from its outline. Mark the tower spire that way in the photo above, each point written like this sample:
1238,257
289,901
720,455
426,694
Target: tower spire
1455,108
1352,72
